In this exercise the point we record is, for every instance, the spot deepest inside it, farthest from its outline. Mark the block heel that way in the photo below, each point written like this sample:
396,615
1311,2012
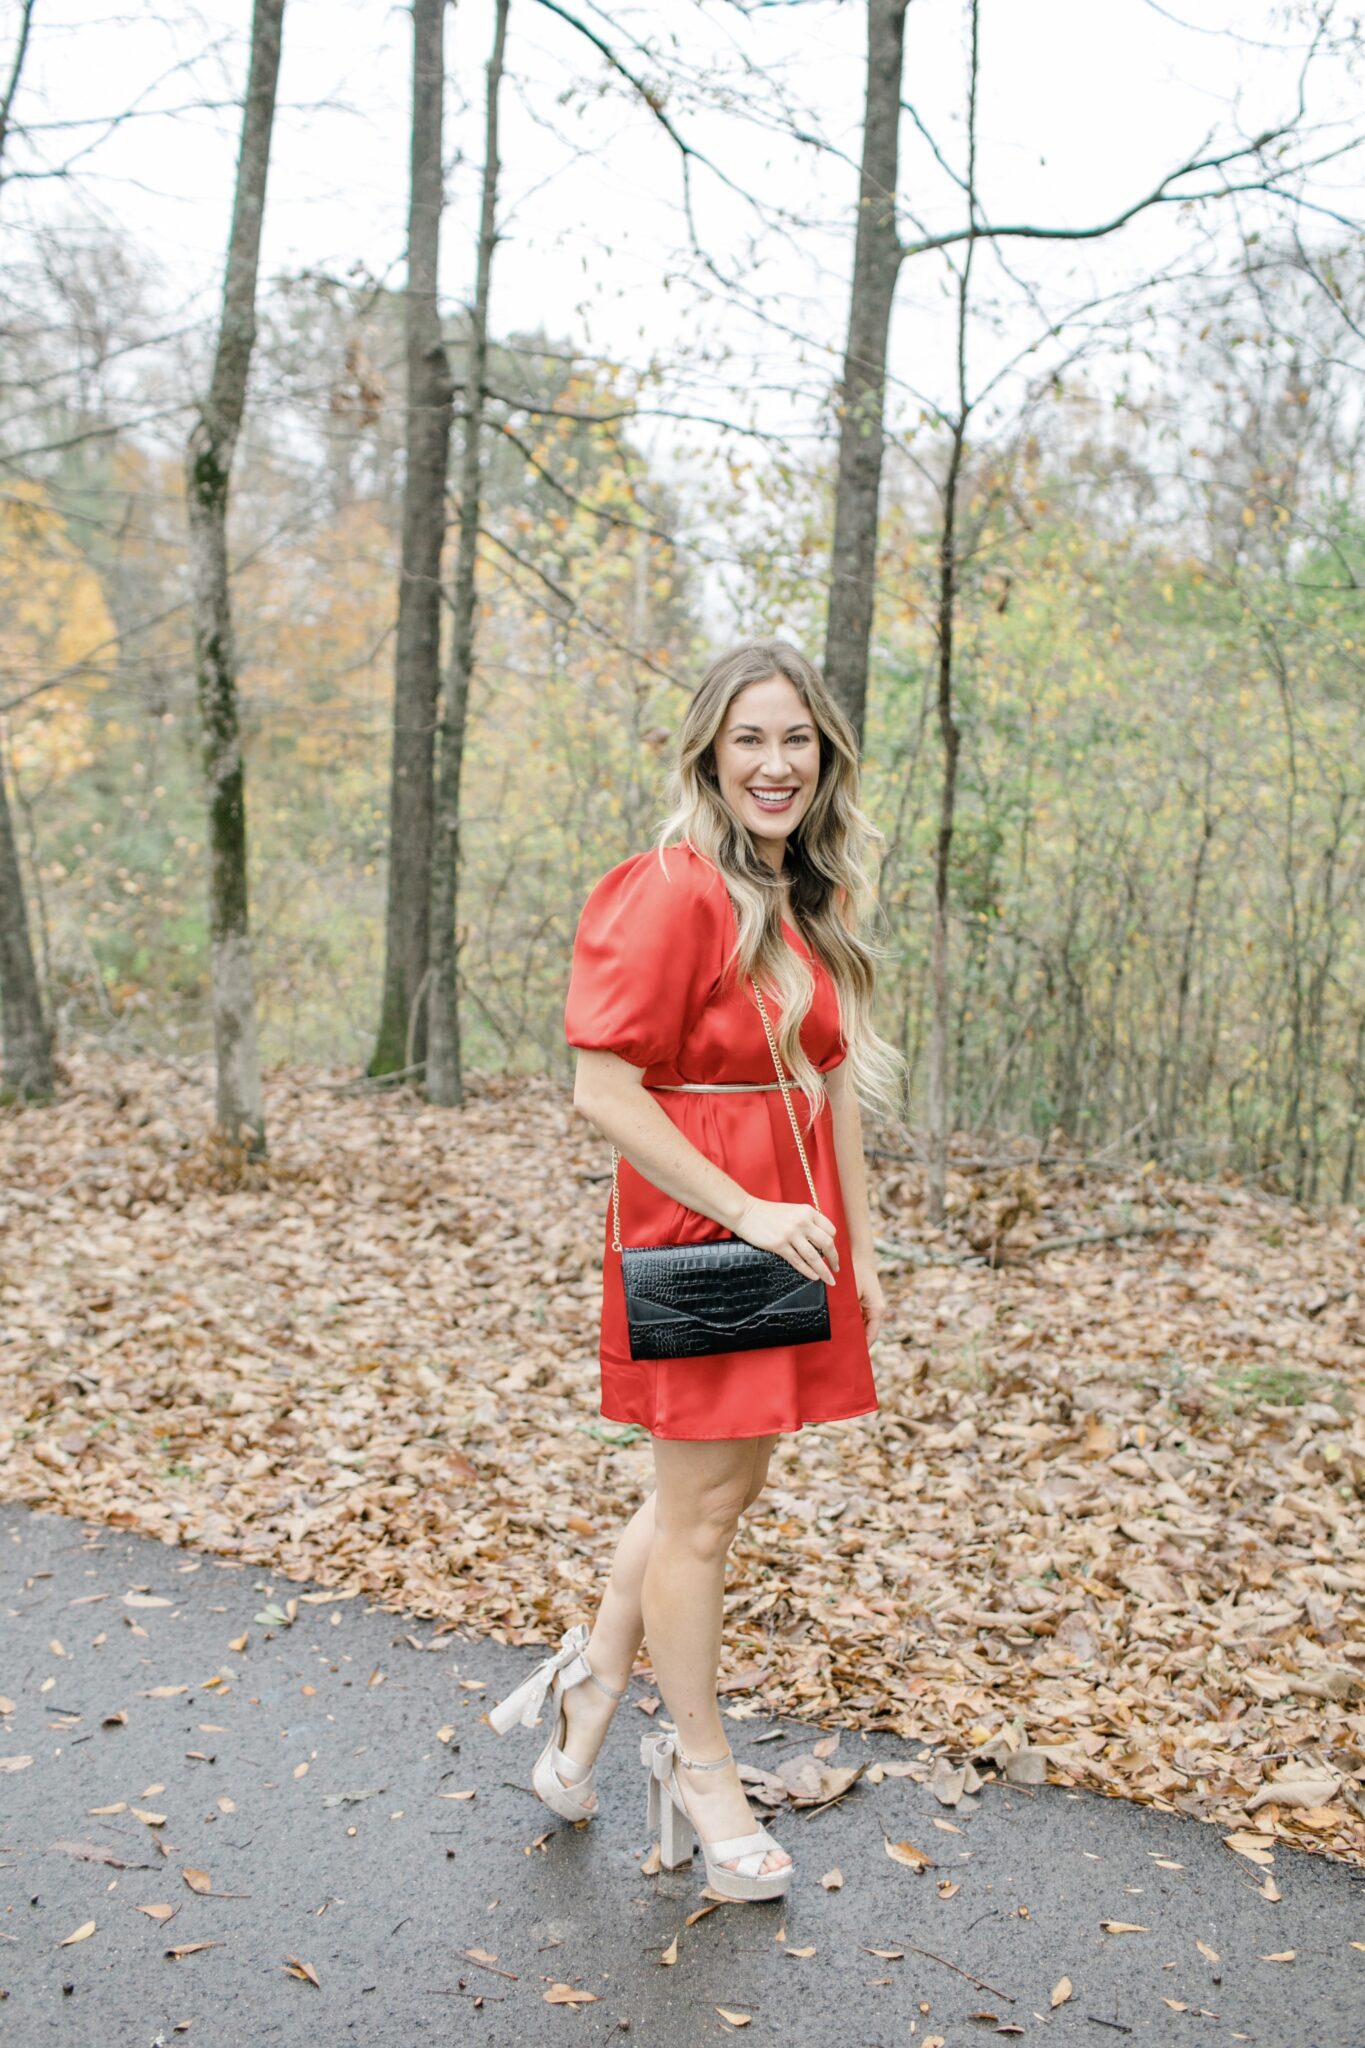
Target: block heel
678,1833
570,1799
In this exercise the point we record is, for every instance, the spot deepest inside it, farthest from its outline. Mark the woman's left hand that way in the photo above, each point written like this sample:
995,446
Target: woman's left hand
870,1297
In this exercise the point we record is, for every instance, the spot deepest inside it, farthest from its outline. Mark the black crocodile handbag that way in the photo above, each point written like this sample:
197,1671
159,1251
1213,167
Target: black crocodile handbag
694,1300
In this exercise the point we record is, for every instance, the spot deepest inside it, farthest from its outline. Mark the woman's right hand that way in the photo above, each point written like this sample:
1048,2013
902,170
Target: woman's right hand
796,1231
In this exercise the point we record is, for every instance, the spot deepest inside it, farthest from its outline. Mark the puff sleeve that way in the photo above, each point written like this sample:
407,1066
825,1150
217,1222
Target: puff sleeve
647,955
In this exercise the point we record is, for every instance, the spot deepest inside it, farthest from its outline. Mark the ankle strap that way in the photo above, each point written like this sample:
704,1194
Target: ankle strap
714,1764
602,1685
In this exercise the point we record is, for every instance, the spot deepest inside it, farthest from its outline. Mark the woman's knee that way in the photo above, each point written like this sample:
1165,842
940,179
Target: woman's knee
707,1523
758,1477
701,1503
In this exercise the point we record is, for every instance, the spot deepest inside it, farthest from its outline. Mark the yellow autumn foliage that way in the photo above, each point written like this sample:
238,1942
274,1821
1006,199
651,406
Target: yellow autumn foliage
54,624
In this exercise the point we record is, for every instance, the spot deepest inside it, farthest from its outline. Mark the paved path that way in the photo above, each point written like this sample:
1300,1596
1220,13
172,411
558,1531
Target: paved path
323,1796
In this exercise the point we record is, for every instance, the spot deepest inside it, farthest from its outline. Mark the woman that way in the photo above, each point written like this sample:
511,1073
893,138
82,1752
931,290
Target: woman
675,1068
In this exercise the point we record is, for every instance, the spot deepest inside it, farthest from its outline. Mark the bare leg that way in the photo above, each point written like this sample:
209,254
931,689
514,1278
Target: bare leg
702,1489
613,1645
619,1628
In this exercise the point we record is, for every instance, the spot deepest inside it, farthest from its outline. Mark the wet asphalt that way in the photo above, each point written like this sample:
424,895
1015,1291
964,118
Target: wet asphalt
313,1790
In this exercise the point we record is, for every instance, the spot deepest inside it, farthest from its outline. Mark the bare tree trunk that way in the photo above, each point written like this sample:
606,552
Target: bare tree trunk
940,1107
417,660
1356,1114
28,1037
1170,1129
16,72
940,1098
443,1078
208,470
862,394
27,1067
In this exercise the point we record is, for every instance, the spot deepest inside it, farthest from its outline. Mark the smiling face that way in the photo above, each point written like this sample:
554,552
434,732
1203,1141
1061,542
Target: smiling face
767,756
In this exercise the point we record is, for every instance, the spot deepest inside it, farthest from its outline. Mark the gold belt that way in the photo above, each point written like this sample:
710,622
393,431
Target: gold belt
714,1087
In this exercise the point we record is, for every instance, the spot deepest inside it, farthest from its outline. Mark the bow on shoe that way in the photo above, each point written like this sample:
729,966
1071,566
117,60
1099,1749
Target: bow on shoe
658,1751
523,1705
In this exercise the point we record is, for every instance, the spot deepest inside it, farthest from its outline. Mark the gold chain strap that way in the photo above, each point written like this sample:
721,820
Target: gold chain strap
786,1097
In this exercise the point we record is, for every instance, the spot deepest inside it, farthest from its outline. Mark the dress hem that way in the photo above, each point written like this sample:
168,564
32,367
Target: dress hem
786,1429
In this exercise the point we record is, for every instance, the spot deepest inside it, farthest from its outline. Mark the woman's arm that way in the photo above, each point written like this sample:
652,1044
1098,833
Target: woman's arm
848,1152
608,1092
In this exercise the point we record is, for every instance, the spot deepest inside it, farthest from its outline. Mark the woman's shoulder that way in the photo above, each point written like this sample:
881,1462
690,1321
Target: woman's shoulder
670,878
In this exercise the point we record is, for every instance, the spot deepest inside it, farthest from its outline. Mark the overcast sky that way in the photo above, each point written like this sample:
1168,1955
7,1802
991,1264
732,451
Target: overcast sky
1085,104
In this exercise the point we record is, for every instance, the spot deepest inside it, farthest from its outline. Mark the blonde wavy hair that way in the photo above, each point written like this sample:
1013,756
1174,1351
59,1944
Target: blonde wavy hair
832,895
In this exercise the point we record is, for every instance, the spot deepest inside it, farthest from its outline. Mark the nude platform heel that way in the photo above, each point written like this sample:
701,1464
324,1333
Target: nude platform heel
677,1831
556,1675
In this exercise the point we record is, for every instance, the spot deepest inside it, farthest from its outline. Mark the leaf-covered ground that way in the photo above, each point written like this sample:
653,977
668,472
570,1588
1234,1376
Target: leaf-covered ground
1106,1526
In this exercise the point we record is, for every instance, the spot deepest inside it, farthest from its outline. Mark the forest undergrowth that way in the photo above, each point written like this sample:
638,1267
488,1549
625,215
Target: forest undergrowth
1104,1530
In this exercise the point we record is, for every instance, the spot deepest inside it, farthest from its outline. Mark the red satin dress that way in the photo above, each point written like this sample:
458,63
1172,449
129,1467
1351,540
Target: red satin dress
649,982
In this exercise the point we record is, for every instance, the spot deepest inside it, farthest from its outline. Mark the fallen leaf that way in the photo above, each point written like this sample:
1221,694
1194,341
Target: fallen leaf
224,1804
1061,1991
146,1600
88,1852
116,1720
83,1933
191,1948
119,1806
670,1954
887,1955
444,1734
159,1912
568,1994
1210,1955
56,1648
907,1853
352,1798
1123,1927
1285,1955
948,1783
736,2019
304,1971
832,1880
151,1820
458,1795
198,1881
798,1951
165,1692
300,1770
15,1763
1026,1767
239,1643
1296,1788
1257,1848
7,1706
946,1888
376,1677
